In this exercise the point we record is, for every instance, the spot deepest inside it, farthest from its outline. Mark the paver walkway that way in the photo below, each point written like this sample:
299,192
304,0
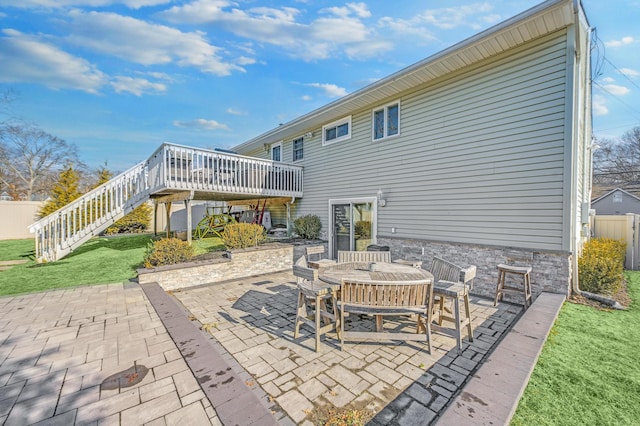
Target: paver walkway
402,384
93,355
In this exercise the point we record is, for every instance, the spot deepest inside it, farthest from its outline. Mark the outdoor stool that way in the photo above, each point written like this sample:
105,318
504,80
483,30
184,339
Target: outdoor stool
519,271
454,291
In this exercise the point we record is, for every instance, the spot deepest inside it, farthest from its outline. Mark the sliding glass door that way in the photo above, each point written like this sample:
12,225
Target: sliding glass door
352,225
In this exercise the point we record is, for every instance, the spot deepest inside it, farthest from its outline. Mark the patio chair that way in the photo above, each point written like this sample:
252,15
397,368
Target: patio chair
345,256
318,261
314,293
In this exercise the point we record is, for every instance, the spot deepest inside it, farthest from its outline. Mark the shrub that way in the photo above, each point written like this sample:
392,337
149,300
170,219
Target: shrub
601,266
243,235
363,229
135,222
307,226
167,251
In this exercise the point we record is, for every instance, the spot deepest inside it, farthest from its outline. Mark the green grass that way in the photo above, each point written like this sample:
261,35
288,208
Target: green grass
99,261
588,372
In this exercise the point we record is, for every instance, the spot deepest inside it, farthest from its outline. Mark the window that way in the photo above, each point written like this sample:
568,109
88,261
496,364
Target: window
337,131
386,121
298,151
617,197
276,151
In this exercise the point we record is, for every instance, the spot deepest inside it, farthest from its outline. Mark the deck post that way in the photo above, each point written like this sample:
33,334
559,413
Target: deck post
187,205
167,207
155,217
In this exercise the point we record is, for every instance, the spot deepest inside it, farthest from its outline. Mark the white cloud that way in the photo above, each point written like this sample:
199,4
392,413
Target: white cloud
330,90
618,43
201,123
629,72
599,105
616,90
58,4
306,97
144,43
235,111
341,29
136,86
28,59
472,15
608,80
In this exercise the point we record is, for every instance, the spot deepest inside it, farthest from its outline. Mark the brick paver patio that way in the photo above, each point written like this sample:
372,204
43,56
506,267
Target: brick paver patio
101,355
402,383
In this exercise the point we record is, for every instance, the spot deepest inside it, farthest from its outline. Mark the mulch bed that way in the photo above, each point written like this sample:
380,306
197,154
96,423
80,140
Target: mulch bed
622,297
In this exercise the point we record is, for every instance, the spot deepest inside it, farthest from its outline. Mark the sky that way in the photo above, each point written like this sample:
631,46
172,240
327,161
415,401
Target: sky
117,78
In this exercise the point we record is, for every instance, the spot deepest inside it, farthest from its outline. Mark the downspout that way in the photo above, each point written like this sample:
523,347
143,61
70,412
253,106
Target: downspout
575,285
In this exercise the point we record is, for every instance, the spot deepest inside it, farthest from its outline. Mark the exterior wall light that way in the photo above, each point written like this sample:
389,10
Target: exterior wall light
381,201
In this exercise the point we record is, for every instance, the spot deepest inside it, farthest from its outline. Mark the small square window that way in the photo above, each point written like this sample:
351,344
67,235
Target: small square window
386,121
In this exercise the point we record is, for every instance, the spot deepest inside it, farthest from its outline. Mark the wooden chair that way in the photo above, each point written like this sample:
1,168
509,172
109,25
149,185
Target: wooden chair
319,261
380,298
515,265
452,284
363,256
313,292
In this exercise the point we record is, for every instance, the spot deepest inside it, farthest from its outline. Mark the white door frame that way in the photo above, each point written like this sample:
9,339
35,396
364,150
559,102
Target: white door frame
354,200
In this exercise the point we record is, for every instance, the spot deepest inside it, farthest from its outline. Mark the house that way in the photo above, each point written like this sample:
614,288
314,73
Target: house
474,154
616,202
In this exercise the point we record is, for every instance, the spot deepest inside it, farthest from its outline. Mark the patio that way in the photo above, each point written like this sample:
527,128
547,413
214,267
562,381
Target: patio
253,320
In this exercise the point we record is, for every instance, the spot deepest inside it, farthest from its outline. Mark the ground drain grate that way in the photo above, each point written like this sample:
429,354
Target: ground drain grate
124,379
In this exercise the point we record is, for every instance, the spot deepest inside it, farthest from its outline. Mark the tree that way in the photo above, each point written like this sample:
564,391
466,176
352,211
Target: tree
64,191
29,157
616,163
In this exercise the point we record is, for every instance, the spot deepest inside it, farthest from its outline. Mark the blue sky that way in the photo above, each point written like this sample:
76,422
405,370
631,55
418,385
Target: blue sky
119,77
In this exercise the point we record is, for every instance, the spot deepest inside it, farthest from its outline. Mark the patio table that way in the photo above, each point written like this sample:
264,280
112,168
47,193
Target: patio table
372,271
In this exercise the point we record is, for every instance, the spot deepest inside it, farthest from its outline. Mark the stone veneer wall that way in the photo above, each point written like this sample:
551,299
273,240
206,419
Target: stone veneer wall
242,263
551,271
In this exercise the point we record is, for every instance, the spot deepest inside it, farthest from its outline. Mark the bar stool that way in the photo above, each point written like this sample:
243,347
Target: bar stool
520,271
455,291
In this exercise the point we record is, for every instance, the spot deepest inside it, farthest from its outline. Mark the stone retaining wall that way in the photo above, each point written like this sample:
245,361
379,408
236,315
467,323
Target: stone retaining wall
551,270
240,263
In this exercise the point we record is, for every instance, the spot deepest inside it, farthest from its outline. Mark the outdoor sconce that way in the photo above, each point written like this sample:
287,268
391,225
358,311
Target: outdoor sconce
266,147
381,201
308,135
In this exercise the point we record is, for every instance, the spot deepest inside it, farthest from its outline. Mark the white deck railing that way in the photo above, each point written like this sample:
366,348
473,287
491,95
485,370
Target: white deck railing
171,168
180,167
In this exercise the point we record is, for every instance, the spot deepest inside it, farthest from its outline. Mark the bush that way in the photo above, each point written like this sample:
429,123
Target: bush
308,226
167,251
134,223
601,266
363,229
243,235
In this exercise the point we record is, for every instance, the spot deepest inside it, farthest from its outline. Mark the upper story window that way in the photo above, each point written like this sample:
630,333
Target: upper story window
276,151
298,148
337,131
386,121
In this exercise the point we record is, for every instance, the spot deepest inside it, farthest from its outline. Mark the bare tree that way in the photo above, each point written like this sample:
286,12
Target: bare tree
29,158
616,163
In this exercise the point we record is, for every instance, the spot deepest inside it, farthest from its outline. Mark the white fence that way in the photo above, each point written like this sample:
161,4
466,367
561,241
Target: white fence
623,228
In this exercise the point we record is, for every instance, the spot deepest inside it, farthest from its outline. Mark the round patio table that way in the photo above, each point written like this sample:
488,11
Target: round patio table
377,271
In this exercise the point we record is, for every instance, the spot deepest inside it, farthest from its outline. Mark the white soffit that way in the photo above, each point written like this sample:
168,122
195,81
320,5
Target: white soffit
536,22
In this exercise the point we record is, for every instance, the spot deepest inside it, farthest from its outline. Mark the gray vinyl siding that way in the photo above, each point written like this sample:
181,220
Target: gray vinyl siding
480,158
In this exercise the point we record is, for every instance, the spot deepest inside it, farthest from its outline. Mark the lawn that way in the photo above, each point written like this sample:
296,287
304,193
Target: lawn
99,261
588,372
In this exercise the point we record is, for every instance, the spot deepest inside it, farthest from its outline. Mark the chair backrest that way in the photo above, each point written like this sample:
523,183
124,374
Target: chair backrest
443,270
363,256
386,294
315,251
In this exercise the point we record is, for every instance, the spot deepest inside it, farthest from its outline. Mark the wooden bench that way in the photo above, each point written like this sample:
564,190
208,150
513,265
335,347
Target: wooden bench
452,282
363,256
382,298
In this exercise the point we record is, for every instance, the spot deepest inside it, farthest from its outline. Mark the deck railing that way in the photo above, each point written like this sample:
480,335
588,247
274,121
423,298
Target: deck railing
170,168
180,167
